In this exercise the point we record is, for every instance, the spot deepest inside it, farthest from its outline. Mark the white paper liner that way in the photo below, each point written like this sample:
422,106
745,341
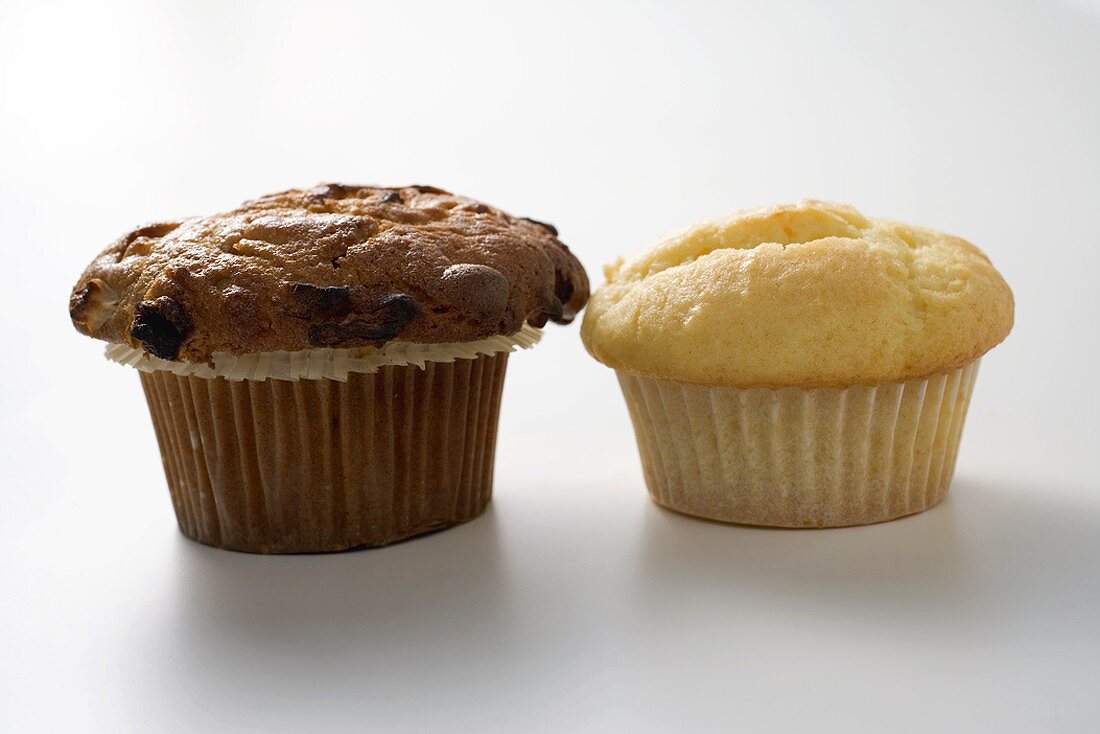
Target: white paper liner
791,457
324,364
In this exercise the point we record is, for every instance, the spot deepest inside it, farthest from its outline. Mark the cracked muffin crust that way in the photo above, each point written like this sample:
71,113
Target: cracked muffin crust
331,266
806,295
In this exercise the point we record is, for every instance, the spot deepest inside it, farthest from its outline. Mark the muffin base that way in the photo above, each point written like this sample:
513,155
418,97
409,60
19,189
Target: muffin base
309,466
798,458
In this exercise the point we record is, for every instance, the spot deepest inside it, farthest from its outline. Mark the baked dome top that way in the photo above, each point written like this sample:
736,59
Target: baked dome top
331,266
809,294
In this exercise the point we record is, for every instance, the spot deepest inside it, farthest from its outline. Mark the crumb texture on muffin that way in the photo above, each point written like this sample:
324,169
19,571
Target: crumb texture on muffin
331,266
810,294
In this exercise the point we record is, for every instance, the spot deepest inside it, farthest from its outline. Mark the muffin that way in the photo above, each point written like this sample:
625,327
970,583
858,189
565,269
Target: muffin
799,366
324,367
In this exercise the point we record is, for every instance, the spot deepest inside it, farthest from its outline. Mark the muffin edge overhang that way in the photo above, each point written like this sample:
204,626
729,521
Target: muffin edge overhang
335,266
804,295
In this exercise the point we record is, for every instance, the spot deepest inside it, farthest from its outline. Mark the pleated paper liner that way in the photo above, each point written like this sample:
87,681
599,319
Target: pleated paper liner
369,456
791,457
277,466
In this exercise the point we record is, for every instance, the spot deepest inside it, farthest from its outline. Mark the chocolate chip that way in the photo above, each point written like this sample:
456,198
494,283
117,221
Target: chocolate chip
556,312
380,324
548,227
390,197
243,309
563,292
478,289
330,191
161,325
317,302
558,309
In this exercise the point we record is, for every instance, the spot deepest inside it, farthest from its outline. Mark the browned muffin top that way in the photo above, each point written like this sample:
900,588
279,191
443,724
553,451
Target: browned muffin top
332,266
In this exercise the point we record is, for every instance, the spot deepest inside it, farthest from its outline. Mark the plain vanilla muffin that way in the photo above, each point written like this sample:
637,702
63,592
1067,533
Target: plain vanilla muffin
324,366
801,365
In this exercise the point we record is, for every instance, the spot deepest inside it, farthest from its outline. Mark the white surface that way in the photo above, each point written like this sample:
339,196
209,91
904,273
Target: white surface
574,604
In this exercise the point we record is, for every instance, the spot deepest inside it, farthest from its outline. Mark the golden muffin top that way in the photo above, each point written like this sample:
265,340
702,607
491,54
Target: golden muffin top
807,295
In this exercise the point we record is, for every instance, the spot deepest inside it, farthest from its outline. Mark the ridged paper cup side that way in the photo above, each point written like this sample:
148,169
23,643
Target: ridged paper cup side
278,466
791,457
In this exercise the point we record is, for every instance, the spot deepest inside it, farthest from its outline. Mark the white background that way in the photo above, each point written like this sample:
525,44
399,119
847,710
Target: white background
574,604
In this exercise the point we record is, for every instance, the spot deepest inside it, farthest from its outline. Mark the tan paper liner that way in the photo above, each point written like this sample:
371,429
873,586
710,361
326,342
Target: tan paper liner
276,466
327,364
790,457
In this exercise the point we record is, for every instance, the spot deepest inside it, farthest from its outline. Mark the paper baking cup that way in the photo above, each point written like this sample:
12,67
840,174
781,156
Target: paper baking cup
791,457
316,364
278,466
327,449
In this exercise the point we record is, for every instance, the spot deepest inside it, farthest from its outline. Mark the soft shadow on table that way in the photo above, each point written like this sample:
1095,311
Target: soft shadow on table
525,612
247,633
988,552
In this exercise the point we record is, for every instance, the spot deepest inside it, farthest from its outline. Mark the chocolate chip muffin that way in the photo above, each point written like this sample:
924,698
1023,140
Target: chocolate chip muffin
324,366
